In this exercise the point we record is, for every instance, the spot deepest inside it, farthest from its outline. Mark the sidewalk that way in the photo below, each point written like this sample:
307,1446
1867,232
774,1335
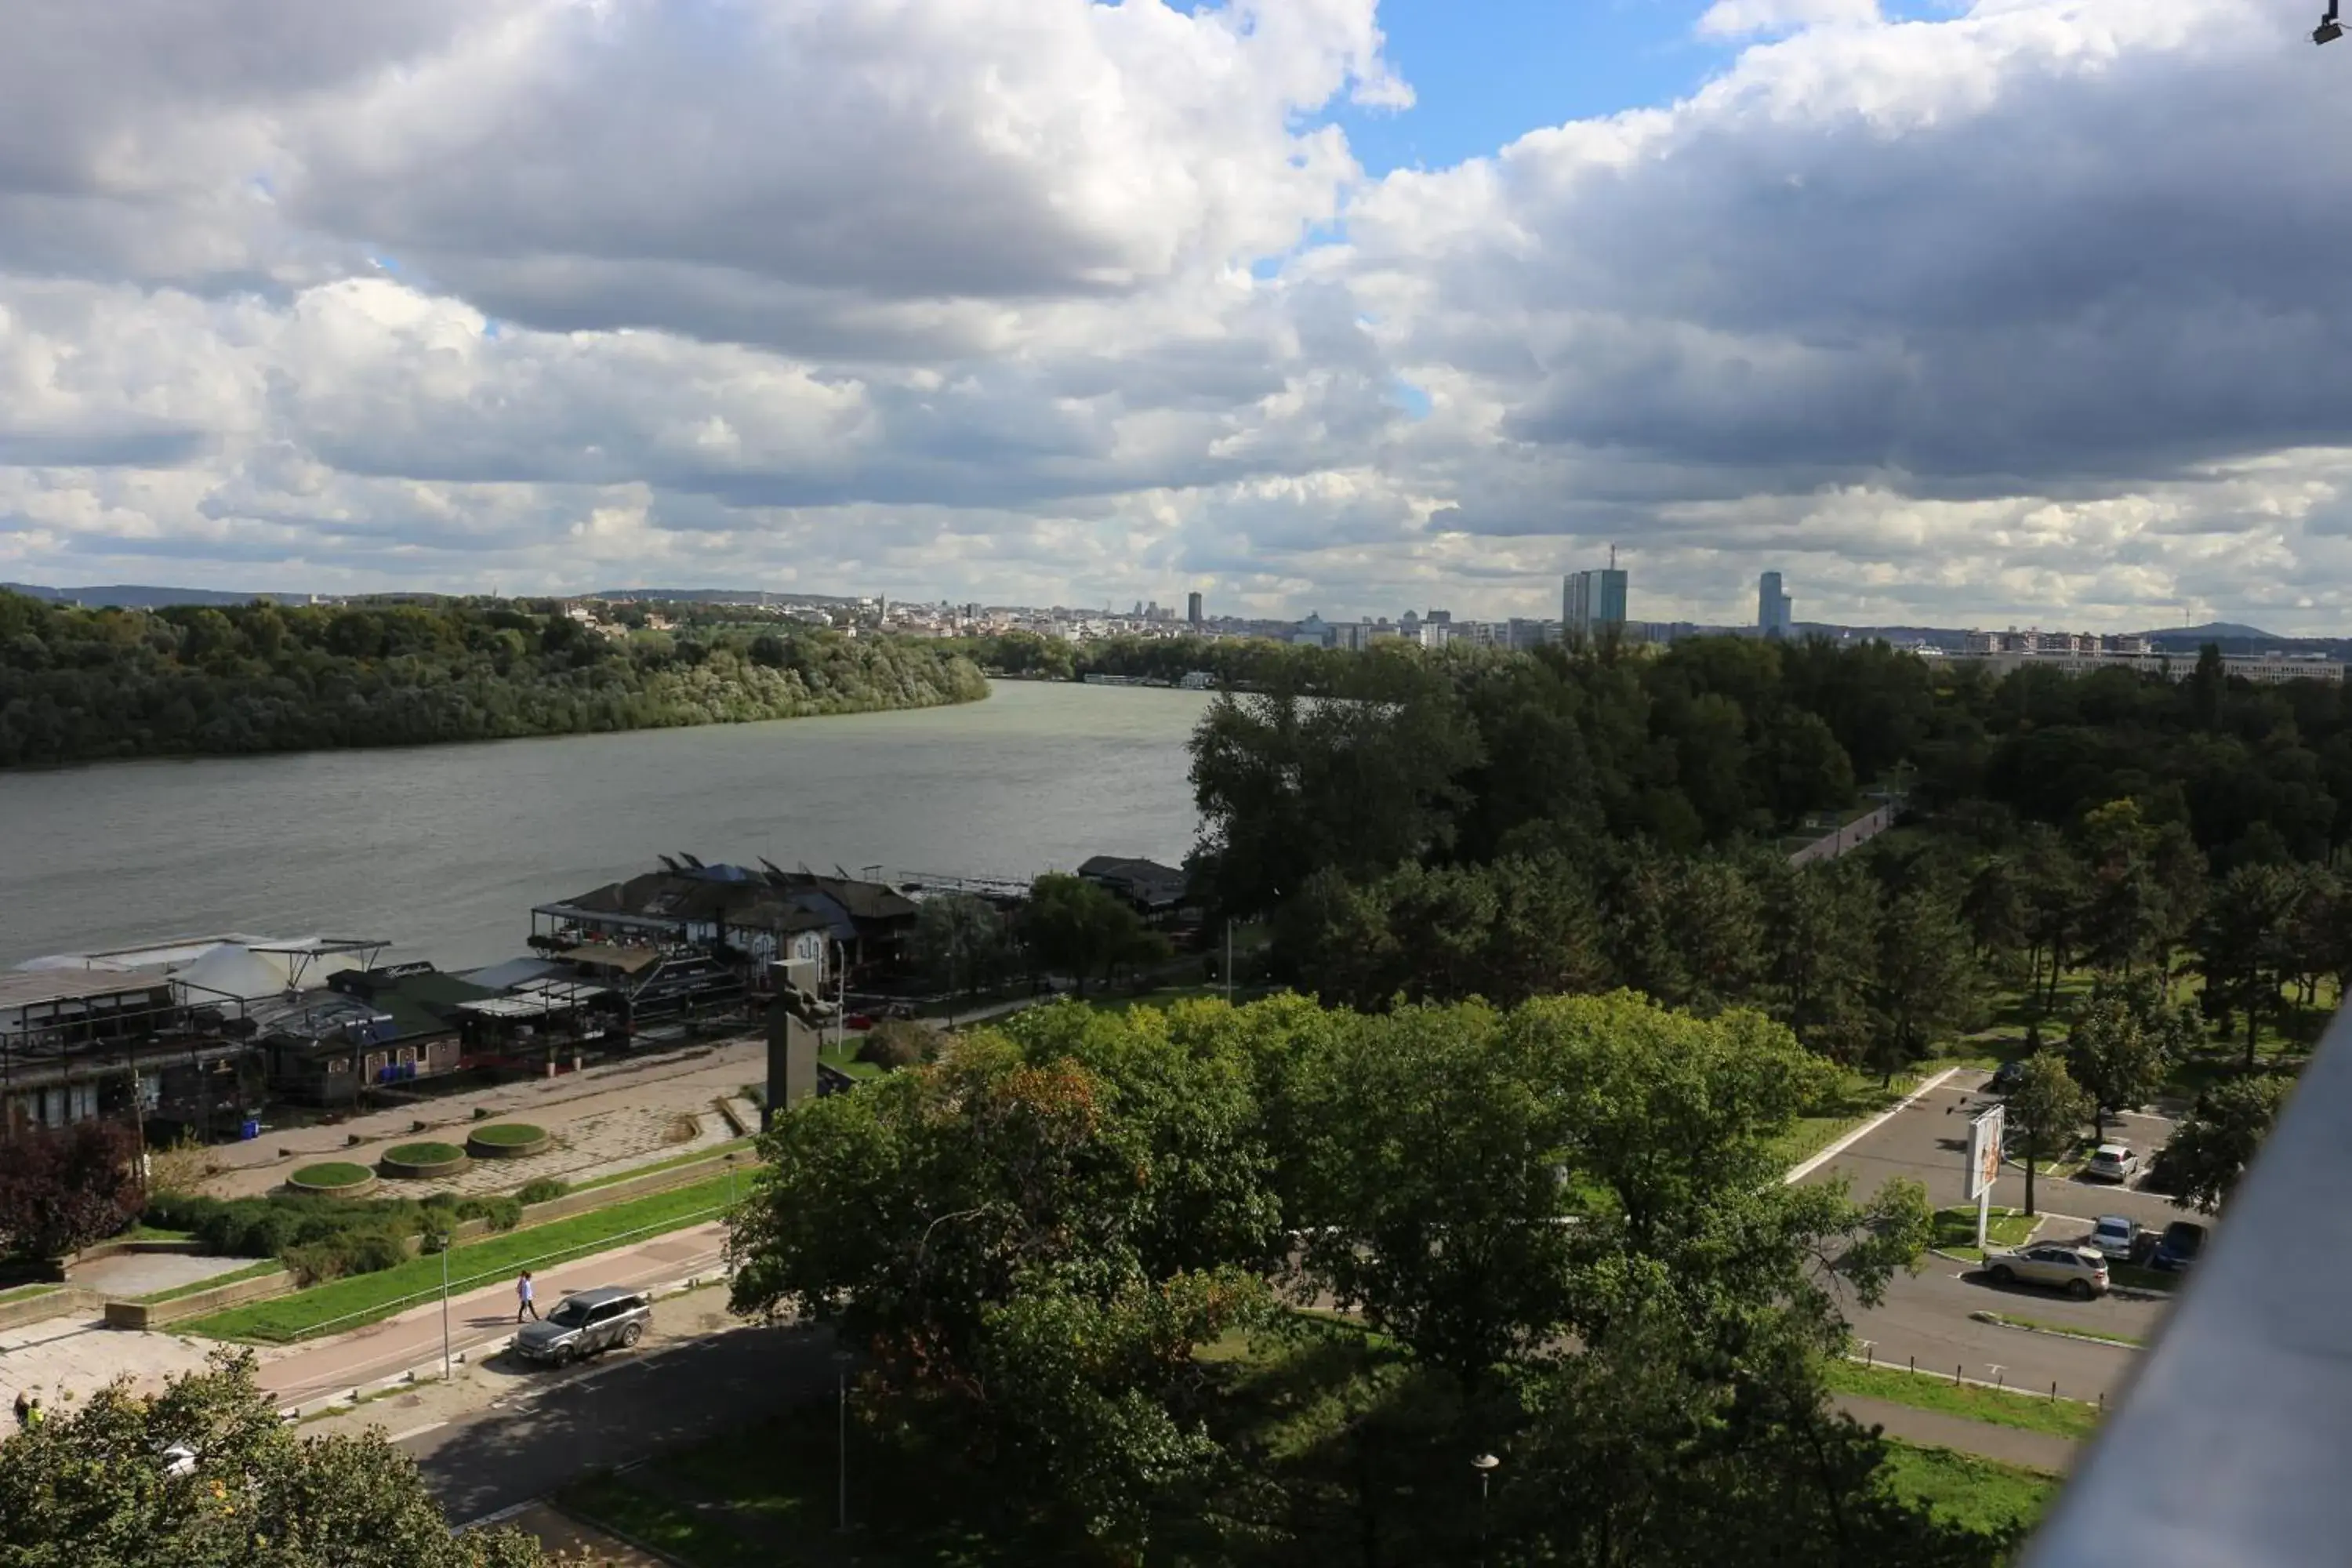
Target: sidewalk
482,1318
611,1116
1986,1439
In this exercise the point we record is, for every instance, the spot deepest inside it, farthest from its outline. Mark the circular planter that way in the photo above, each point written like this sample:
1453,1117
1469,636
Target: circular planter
423,1162
507,1140
335,1179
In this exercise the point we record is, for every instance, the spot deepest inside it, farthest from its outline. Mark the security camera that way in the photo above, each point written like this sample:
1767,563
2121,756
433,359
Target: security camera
2329,28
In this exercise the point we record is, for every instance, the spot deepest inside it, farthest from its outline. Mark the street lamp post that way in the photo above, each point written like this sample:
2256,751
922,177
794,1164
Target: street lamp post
1485,1465
445,1366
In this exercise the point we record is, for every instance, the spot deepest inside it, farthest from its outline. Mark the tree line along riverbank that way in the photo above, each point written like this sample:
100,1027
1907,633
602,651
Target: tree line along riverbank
86,685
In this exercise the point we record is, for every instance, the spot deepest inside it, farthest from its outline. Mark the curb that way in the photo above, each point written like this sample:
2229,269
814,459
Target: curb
430,1371
1994,1319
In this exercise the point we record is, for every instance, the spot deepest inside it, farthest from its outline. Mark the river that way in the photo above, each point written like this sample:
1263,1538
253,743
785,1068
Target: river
442,850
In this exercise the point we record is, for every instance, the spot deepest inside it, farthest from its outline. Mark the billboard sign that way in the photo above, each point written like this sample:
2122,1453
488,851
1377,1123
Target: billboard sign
1984,1152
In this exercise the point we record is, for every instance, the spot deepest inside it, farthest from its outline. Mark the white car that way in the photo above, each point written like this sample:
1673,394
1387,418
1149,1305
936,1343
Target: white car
2113,1163
2115,1236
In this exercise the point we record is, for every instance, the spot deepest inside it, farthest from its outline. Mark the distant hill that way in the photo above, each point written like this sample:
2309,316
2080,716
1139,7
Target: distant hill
721,596
132,596
2223,631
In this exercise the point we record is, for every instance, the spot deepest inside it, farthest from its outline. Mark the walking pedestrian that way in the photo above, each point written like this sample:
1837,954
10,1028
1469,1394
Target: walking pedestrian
36,1415
24,1410
523,1294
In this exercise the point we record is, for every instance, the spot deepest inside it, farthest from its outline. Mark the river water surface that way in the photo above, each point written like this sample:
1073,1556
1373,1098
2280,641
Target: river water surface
443,851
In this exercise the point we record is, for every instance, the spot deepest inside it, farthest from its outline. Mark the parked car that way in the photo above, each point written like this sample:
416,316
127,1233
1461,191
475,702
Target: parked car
2179,1247
587,1323
2005,1077
2115,1236
2112,1163
2081,1274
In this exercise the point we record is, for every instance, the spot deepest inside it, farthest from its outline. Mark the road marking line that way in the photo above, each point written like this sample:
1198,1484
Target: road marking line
416,1432
501,1517
1866,1128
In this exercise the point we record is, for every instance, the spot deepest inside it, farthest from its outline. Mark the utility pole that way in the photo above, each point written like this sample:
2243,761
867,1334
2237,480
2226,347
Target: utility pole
445,1366
1229,961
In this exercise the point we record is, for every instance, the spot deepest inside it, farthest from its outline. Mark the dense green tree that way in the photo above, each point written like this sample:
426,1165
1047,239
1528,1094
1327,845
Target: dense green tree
2211,1148
1925,990
2043,1112
2242,944
78,684
1070,926
1821,926
2118,1063
963,943
98,1486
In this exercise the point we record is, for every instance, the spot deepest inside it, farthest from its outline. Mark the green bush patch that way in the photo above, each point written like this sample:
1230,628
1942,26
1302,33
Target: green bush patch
328,1177
540,1190
425,1153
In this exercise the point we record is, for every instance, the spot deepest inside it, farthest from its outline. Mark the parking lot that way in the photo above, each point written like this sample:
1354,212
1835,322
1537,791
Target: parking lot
1925,1319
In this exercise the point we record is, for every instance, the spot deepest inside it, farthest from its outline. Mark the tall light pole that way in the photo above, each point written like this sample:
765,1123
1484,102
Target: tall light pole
1485,1465
1229,961
445,1366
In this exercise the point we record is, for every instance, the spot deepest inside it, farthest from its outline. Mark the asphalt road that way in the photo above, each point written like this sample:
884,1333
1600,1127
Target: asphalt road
614,1413
1926,1318
1930,1144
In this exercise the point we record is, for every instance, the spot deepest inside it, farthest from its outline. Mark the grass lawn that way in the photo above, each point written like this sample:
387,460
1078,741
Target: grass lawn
768,1495
732,1145
2059,1417
2133,1276
27,1292
250,1272
1980,1494
844,1056
1956,1229
2011,1320
346,1303
153,1233
1859,1097
506,1135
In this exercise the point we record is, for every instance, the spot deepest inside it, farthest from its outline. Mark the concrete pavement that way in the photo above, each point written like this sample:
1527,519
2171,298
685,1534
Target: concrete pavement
608,1118
2010,1445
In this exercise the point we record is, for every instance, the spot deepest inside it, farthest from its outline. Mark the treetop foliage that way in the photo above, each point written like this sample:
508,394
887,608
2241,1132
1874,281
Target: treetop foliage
80,685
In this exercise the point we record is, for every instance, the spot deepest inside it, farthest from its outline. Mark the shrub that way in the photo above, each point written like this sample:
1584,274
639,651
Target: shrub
900,1043
540,1189
314,1264
499,1213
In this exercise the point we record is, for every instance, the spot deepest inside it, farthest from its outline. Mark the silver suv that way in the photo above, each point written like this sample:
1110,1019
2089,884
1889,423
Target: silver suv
587,1323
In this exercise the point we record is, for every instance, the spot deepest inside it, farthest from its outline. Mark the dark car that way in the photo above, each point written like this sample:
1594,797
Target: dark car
588,1323
2179,1247
2005,1077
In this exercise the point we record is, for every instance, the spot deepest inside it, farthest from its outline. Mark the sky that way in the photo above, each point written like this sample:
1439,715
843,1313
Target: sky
2023,312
